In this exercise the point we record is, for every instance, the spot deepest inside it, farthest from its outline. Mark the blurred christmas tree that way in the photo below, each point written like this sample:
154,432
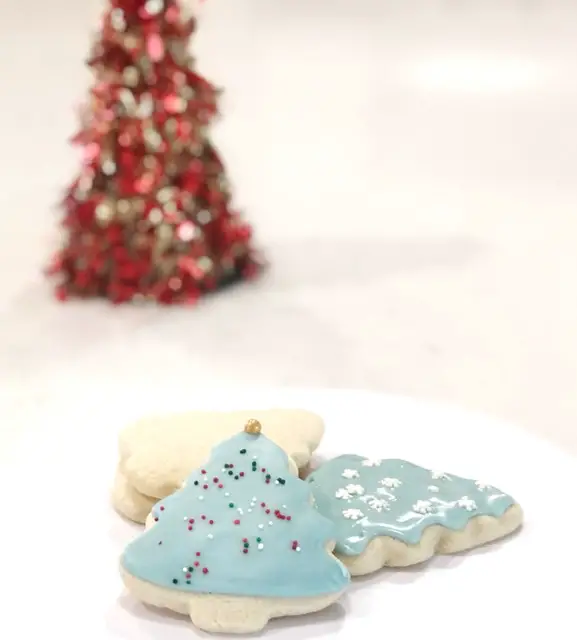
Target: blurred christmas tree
149,216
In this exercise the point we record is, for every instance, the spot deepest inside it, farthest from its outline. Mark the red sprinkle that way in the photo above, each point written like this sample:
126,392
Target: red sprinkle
211,522
155,519
205,486
205,570
289,518
237,522
220,486
215,480
263,504
241,474
267,481
231,465
203,472
245,539
162,508
197,554
263,470
190,527
191,520
245,550
267,510
189,575
196,564
203,517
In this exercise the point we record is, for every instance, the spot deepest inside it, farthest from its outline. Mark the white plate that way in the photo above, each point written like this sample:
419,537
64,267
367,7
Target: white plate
61,540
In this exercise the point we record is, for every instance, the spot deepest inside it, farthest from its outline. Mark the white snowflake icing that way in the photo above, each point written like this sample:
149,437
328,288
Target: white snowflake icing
371,462
384,492
342,494
439,475
352,514
423,506
355,489
378,504
466,503
433,489
482,486
391,483
350,474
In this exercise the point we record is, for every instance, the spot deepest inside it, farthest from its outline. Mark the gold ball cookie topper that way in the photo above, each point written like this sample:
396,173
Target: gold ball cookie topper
253,426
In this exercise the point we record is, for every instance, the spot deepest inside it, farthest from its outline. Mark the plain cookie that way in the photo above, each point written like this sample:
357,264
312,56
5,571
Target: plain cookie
240,543
394,513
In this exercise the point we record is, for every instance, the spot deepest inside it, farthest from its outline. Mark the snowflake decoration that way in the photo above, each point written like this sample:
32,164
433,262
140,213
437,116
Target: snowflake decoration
342,494
391,483
433,489
482,486
467,503
355,489
350,474
378,504
352,514
439,475
423,506
374,462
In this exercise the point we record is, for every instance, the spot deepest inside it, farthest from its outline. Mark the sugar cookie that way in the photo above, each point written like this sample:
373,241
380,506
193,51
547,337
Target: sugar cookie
128,501
158,453
239,544
394,513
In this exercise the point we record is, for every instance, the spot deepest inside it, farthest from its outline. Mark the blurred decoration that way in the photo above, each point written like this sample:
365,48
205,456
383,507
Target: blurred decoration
149,216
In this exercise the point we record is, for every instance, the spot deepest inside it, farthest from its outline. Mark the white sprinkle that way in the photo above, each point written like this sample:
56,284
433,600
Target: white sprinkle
201,497
276,481
186,517
255,457
240,511
261,526
226,493
184,569
270,523
284,506
260,546
298,549
250,510
210,536
254,499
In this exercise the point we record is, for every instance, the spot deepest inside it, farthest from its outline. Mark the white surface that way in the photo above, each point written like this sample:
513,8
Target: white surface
409,168
61,540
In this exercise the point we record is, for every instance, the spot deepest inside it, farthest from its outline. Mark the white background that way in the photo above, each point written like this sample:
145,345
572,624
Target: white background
409,168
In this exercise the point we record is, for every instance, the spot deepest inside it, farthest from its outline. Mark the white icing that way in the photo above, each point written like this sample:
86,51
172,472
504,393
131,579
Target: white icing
355,489
466,503
342,494
433,489
378,505
352,514
383,492
482,486
391,483
439,475
423,506
368,462
350,474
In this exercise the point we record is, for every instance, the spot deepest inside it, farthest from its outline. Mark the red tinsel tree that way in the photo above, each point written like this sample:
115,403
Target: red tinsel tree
149,216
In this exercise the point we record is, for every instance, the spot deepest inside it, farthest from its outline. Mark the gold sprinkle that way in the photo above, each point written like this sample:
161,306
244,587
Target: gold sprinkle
253,426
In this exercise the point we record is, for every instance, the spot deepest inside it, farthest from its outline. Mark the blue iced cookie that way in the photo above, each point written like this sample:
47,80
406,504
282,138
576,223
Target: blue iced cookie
395,513
238,544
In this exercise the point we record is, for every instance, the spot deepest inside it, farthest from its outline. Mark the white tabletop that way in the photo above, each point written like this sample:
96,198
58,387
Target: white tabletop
61,540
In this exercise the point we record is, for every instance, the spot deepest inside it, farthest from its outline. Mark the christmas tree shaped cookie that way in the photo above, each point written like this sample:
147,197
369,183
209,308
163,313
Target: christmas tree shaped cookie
240,543
395,513
158,453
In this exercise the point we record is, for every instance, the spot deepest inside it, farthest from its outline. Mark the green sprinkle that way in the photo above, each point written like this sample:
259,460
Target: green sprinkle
246,545
174,581
231,505
259,539
243,451
230,473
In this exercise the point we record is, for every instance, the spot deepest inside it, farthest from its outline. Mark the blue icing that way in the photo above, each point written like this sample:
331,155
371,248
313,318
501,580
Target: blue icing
238,548
370,498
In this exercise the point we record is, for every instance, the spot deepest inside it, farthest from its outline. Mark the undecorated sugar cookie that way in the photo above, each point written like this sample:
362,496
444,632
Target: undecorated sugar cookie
158,453
394,513
240,543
